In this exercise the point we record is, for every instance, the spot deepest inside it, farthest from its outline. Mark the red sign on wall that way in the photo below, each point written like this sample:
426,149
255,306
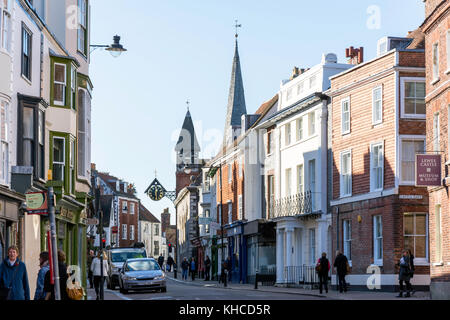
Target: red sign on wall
428,170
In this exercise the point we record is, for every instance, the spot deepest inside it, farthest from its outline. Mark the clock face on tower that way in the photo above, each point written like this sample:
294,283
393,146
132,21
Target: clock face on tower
156,192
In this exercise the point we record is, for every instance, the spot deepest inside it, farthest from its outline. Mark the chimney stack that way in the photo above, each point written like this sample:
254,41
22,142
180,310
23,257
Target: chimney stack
356,56
295,73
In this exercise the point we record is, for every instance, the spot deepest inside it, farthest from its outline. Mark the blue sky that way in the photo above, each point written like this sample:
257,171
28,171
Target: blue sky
179,50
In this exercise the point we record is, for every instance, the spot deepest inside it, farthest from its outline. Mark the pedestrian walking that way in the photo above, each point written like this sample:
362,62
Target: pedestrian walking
342,268
323,267
39,294
193,268
184,269
89,264
404,274
49,288
14,277
170,263
161,261
207,268
96,271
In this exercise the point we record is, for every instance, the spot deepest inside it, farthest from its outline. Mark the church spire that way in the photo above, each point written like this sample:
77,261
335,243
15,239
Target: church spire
236,98
187,147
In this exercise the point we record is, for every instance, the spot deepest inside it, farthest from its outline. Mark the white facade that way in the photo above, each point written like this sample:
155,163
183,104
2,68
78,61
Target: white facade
297,161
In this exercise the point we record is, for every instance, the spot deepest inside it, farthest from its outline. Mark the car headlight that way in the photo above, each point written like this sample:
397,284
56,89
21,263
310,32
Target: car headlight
128,278
162,277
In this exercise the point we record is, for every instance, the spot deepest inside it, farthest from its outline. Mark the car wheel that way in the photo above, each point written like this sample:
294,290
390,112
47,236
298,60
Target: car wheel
108,283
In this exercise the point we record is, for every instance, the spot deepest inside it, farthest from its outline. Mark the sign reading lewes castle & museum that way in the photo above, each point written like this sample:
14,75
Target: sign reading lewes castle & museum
428,170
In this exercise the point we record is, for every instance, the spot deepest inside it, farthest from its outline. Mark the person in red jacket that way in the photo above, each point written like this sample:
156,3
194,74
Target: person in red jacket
323,267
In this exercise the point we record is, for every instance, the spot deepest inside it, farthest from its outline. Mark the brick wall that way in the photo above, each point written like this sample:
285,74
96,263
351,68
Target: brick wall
438,98
231,191
128,219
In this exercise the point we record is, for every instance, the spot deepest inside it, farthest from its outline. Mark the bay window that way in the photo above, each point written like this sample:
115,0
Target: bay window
31,135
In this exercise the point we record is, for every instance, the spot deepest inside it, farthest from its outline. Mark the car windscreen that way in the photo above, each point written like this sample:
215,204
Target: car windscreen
142,265
124,255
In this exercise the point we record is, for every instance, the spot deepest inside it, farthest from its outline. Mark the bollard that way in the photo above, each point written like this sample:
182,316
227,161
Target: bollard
256,280
175,272
225,278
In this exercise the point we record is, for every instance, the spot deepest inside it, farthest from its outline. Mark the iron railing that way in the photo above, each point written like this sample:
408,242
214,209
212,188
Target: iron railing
302,275
301,203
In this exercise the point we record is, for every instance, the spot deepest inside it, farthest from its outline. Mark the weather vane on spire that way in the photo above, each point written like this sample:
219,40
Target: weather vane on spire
237,26
187,104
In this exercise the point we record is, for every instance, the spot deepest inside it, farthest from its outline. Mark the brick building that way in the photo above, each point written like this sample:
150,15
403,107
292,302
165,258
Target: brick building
378,125
124,216
437,44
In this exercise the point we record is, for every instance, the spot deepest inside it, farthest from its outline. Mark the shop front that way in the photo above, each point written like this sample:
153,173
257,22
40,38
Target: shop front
11,222
71,229
235,251
259,237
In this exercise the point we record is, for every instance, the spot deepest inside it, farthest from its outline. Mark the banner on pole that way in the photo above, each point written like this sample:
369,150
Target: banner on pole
428,170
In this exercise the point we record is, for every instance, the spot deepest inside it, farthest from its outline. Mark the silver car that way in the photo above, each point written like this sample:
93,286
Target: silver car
142,274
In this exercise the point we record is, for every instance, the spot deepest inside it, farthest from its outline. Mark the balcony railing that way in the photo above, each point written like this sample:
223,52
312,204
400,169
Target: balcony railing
291,206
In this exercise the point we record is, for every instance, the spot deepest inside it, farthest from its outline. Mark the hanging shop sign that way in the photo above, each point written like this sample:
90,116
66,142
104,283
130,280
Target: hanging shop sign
37,203
428,170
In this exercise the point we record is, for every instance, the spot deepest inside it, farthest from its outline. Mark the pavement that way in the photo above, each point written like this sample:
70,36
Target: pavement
332,294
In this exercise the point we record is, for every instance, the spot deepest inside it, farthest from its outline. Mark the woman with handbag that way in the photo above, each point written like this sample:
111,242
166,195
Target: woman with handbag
96,271
13,277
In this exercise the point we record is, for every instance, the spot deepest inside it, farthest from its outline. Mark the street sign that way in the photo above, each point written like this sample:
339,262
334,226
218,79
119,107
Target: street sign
37,202
428,170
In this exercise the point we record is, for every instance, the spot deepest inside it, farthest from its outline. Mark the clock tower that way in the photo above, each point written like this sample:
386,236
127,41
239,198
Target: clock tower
187,155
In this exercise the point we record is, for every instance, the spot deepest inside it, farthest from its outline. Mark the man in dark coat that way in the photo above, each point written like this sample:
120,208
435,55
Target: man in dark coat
323,266
207,268
185,269
341,263
160,261
13,276
170,262
404,274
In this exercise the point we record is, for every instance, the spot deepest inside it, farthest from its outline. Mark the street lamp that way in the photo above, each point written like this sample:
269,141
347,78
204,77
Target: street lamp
115,49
